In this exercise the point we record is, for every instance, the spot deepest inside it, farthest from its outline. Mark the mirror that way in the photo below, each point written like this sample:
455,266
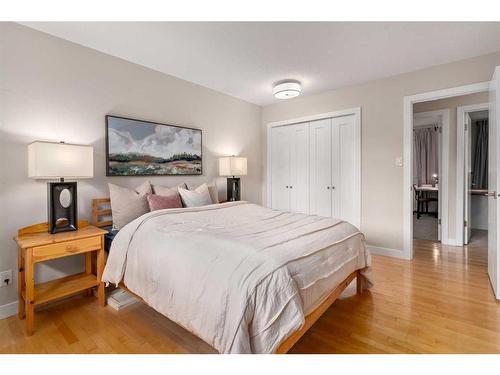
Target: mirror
65,198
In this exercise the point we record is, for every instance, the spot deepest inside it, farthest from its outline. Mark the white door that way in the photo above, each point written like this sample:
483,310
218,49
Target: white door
280,168
320,167
467,179
493,182
440,173
343,168
299,168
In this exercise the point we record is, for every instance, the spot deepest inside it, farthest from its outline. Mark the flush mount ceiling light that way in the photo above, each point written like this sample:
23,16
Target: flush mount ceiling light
287,90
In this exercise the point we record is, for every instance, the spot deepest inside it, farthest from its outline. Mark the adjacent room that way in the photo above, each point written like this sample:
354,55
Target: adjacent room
476,179
427,167
203,187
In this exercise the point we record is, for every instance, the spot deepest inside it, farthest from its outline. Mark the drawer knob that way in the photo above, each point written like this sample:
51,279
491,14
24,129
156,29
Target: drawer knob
71,249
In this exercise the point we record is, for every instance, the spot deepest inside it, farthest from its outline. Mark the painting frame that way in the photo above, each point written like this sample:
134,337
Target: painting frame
108,169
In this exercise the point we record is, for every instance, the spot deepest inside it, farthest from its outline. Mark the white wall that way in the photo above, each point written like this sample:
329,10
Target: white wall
55,90
381,105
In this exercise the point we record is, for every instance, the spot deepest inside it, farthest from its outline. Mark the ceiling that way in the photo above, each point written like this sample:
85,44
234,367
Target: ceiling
244,59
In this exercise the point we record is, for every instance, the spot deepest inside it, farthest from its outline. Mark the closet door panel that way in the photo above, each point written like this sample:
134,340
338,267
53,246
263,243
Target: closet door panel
280,165
343,168
299,168
320,167
336,167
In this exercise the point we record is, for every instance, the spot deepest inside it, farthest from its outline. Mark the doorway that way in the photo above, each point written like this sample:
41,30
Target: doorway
472,174
492,88
429,130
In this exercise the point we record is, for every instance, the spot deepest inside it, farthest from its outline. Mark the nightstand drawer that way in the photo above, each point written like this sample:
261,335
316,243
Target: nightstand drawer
64,249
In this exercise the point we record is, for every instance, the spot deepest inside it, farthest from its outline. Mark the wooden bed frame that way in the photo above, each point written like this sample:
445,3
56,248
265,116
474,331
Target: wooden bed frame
101,209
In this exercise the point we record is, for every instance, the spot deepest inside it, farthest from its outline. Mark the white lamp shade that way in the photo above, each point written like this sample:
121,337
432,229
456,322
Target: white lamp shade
232,166
47,160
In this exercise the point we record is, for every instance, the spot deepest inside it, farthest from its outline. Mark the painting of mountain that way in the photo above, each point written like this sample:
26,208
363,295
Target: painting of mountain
142,148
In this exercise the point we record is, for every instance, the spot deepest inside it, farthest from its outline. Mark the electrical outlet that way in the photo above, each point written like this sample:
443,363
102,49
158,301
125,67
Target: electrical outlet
5,278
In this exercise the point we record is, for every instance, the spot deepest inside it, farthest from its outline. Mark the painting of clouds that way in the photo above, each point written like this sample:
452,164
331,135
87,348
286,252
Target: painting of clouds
141,148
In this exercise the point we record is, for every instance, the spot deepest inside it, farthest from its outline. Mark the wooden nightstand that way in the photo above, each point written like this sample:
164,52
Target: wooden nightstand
36,245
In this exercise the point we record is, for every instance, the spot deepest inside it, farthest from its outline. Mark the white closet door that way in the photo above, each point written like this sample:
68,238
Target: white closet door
343,168
280,161
320,167
299,168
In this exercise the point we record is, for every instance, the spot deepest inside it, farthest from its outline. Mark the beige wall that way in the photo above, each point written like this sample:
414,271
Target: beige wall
52,89
451,104
381,104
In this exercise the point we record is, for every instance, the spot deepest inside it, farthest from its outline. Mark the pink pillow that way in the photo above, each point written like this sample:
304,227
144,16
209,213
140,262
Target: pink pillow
160,202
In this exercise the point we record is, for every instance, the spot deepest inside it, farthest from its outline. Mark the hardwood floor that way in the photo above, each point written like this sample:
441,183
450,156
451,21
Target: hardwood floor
441,302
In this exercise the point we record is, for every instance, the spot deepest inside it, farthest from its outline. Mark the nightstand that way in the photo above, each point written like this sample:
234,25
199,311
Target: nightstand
37,245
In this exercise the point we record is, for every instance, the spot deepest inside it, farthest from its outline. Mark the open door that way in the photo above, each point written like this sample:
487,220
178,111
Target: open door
493,182
440,173
468,177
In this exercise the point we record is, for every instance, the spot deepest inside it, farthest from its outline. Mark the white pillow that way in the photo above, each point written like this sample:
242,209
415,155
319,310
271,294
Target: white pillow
164,190
195,198
212,189
128,204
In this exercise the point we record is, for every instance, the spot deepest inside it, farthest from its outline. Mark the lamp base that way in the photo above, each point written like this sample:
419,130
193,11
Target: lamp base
233,189
62,207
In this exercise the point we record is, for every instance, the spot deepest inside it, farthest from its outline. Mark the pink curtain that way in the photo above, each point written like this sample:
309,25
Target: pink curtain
425,149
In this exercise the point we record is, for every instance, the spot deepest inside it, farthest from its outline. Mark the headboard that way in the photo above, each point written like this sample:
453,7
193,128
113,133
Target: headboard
101,212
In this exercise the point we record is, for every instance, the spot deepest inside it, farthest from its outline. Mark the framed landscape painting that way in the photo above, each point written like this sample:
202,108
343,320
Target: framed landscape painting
144,148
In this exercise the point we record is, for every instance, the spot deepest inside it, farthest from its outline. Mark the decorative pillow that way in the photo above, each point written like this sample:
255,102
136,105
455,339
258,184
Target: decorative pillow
160,202
195,198
166,191
128,204
212,189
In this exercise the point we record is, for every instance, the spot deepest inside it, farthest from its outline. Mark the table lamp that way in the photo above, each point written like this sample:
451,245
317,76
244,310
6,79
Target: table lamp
48,161
233,166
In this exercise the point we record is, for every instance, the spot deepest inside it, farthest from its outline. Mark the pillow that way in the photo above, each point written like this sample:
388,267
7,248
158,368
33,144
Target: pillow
160,202
195,198
212,189
128,204
167,191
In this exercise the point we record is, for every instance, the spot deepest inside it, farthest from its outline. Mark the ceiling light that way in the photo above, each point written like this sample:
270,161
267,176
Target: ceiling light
287,90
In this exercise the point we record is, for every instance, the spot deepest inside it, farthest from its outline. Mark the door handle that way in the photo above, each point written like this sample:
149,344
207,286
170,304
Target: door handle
491,194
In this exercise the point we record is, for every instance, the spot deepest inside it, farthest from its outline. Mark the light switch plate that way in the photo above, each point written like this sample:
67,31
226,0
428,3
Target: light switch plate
5,278
399,161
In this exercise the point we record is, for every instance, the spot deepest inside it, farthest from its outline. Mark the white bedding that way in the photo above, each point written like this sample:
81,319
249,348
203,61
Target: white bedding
238,275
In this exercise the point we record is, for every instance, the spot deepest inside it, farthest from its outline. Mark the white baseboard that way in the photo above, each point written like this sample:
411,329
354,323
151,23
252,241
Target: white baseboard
386,251
8,309
450,242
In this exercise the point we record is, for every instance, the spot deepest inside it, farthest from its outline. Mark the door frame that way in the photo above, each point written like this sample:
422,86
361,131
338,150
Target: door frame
356,112
408,102
460,196
442,117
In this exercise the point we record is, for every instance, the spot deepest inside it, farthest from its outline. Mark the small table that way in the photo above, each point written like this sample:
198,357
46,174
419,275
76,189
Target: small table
420,191
36,244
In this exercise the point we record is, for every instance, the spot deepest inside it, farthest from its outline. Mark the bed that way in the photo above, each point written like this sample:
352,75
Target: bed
244,278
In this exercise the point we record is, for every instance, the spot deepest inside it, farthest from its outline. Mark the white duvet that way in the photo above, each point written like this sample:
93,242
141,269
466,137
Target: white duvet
228,272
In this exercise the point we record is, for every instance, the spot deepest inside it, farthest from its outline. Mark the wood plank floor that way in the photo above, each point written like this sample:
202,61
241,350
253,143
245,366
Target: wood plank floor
441,302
